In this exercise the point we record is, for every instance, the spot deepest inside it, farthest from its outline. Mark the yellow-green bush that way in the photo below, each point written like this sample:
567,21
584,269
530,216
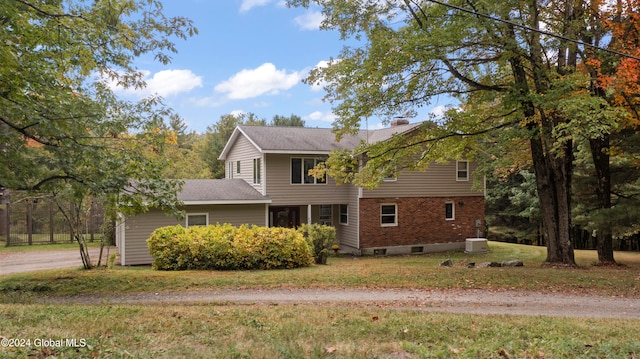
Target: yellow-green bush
227,247
320,238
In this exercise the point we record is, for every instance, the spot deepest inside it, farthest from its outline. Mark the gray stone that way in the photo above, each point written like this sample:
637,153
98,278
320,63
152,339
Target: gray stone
447,263
512,263
488,264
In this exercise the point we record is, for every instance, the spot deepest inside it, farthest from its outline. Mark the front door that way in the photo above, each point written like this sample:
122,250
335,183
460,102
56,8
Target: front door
284,217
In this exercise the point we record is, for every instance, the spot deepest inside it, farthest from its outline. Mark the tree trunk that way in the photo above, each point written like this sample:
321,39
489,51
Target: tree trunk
553,182
552,168
600,154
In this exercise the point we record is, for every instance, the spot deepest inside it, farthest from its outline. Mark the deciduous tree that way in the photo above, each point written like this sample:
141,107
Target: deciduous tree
61,126
501,60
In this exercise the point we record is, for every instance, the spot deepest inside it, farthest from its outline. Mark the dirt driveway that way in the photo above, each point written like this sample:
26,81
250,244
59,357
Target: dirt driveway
34,260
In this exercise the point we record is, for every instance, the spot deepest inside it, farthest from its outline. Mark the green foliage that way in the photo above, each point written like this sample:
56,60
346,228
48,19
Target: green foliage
515,101
293,121
320,238
217,136
225,247
60,122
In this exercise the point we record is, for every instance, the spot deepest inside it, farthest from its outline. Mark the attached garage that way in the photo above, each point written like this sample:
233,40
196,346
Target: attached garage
208,201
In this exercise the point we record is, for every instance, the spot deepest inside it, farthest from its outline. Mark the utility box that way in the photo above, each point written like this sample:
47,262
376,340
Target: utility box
476,246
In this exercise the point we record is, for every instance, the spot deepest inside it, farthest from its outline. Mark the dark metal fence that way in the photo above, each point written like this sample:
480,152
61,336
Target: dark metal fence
39,220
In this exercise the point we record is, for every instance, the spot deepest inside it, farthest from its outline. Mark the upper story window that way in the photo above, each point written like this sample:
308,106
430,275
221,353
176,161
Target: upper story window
388,215
230,170
391,177
256,171
300,167
238,167
462,170
197,219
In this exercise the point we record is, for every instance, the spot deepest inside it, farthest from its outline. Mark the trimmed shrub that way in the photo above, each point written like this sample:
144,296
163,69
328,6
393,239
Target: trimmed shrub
224,247
166,246
320,238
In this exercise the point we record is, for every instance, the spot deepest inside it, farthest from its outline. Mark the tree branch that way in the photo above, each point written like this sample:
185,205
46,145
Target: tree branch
449,135
454,71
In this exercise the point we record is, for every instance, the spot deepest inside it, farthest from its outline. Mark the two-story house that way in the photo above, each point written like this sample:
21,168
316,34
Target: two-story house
267,183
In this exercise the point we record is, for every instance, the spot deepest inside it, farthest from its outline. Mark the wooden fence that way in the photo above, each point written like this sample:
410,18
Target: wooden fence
39,220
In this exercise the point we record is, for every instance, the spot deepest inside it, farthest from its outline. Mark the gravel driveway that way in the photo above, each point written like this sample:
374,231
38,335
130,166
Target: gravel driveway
41,259
476,301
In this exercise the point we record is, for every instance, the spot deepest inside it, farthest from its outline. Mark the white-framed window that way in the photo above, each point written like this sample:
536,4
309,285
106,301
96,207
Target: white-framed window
300,167
388,214
326,214
256,171
449,211
462,170
230,169
197,219
391,177
344,214
238,167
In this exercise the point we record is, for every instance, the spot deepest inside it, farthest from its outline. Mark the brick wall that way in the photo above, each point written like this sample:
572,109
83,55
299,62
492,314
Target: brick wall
420,221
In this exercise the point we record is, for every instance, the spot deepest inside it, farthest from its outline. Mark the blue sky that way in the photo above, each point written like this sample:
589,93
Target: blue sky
249,56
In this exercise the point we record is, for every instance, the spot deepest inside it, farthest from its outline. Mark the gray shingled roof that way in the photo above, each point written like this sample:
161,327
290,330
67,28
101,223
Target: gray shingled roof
272,138
306,139
212,191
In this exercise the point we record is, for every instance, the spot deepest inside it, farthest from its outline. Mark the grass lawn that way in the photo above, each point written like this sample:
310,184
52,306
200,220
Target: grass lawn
226,330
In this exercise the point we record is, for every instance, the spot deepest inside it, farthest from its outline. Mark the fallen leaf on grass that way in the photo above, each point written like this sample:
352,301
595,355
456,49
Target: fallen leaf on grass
329,350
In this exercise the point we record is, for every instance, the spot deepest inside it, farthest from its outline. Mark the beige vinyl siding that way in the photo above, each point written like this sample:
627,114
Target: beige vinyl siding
283,193
437,181
244,151
138,228
236,214
348,234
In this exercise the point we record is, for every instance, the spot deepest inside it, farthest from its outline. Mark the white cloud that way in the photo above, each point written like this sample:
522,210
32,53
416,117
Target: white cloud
164,83
320,85
265,79
171,82
311,20
237,113
250,4
439,111
321,116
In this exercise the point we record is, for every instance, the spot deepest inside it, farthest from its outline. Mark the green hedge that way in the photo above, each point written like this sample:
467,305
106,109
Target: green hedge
224,247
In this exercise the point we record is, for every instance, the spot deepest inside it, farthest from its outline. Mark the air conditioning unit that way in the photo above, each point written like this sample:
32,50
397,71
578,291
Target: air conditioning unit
476,246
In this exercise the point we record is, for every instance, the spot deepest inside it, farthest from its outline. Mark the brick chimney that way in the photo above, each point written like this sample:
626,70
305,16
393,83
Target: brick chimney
399,122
